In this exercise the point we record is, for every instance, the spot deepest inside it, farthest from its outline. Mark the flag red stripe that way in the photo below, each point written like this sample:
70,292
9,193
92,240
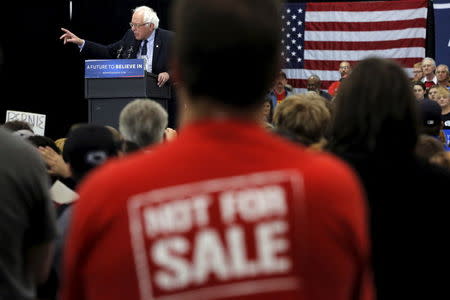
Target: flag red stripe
366,26
379,45
366,6
407,62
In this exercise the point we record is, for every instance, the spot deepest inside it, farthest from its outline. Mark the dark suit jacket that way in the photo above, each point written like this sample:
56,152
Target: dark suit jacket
128,47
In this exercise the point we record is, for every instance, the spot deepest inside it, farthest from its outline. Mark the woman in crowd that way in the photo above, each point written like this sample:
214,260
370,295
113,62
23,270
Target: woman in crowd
419,90
375,129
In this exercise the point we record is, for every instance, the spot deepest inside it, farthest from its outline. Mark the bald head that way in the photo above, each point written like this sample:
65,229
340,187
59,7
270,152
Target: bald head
313,83
344,69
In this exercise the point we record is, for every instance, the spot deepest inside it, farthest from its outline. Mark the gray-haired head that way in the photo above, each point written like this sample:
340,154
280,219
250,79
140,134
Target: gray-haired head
150,15
443,68
143,122
430,60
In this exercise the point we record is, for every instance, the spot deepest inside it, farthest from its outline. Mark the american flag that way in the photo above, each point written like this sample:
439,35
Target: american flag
316,37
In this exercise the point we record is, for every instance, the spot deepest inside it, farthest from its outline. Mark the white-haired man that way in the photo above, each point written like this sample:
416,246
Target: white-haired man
428,68
144,123
143,40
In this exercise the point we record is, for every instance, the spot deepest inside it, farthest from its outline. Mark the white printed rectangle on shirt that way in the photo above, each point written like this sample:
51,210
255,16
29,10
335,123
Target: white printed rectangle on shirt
231,237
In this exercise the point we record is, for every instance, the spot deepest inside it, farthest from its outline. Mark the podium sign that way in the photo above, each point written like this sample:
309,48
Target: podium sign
112,83
114,68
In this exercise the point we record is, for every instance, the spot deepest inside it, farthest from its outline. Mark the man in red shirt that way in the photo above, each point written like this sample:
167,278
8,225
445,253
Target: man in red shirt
215,214
344,71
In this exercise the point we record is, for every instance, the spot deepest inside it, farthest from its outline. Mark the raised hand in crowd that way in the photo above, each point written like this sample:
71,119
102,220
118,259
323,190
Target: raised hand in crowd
55,163
170,134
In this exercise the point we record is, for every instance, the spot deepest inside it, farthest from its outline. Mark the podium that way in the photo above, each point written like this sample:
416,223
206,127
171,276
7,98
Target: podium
109,89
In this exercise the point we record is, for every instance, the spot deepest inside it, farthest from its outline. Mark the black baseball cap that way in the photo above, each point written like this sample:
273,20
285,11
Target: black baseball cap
88,146
431,113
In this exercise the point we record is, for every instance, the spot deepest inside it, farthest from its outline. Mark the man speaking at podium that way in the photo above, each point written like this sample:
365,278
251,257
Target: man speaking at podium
144,40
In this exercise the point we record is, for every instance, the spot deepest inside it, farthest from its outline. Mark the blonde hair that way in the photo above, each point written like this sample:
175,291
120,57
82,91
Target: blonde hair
442,91
306,116
60,143
441,159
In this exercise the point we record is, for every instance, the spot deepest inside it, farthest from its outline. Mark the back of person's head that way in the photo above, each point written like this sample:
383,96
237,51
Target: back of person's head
304,115
143,121
427,146
17,125
430,116
441,159
20,128
118,138
88,146
43,141
246,35
375,110
75,126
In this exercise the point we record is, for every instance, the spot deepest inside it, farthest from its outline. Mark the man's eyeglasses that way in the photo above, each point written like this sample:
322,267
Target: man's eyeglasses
138,25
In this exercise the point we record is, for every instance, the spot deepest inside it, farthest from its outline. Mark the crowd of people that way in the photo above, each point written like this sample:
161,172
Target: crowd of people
333,194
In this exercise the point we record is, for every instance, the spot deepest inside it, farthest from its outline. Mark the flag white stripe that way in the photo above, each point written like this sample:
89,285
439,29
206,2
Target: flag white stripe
441,6
361,54
299,91
365,16
365,36
323,74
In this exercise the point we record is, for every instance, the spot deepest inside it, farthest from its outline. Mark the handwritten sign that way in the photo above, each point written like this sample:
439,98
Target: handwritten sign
36,121
114,68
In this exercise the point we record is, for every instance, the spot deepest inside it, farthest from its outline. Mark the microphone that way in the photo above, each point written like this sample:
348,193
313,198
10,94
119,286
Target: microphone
119,52
129,51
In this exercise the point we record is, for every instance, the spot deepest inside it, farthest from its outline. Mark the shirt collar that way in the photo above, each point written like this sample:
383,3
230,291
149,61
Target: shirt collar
151,38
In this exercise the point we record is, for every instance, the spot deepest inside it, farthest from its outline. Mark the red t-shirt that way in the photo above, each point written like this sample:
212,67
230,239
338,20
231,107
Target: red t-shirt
281,96
332,89
225,211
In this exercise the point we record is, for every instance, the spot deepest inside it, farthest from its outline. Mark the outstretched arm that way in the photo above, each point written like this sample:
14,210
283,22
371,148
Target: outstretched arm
69,37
